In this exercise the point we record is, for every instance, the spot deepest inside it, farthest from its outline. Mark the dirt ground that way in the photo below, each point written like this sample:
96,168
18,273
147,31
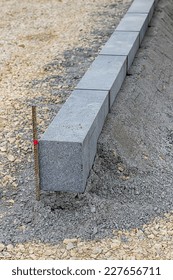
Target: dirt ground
127,210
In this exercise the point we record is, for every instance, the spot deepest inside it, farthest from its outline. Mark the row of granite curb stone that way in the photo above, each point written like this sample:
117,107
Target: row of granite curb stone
67,149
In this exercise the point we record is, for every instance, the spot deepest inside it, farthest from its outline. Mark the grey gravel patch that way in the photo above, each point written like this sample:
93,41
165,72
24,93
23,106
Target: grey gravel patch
131,181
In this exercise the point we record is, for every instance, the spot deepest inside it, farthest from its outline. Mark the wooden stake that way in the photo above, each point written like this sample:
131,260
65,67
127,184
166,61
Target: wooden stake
36,159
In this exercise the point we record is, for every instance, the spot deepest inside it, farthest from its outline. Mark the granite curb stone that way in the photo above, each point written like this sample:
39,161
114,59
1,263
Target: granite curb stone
68,147
134,22
146,7
139,6
105,73
122,43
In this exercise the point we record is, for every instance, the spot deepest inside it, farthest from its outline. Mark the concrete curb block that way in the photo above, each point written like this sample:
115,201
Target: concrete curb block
134,22
146,6
122,44
105,73
67,149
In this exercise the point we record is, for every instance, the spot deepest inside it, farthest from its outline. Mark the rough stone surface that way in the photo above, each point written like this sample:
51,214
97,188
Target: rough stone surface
122,43
153,242
68,147
105,73
134,22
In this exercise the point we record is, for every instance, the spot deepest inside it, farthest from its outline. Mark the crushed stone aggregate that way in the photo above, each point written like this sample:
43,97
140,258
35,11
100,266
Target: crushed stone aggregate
127,210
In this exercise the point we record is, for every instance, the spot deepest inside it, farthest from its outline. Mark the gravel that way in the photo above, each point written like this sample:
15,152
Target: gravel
131,180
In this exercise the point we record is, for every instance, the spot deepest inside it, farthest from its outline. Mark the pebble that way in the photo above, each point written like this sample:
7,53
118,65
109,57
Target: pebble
10,247
11,158
70,246
14,184
121,168
151,236
11,140
115,243
48,252
10,201
97,251
93,209
2,247
3,149
95,230
66,241
33,257
21,247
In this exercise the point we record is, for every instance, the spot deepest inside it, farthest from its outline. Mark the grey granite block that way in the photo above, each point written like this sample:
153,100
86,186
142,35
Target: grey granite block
122,43
139,6
134,22
156,2
106,73
68,147
151,13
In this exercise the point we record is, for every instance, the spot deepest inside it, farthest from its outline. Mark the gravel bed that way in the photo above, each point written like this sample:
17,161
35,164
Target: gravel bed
131,180
153,241
46,48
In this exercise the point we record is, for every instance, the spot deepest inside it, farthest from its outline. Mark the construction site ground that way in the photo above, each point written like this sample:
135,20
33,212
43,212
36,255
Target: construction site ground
127,209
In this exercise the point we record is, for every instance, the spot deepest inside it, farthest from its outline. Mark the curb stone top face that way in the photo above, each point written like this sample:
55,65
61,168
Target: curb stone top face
102,73
134,22
74,119
142,7
122,43
139,6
